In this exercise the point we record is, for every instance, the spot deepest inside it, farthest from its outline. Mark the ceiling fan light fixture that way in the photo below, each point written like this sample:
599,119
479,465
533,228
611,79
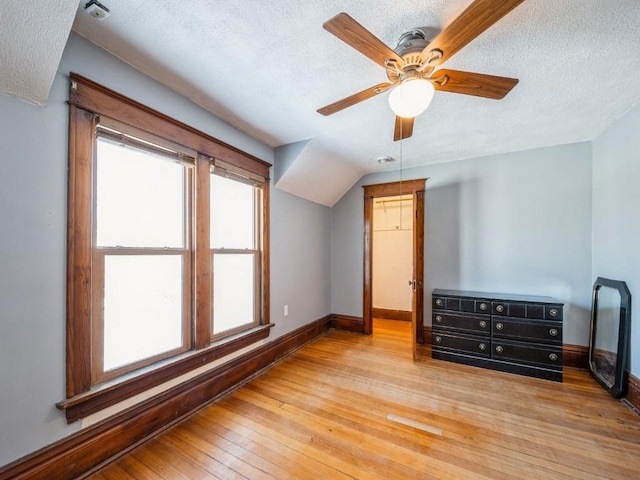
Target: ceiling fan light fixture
411,97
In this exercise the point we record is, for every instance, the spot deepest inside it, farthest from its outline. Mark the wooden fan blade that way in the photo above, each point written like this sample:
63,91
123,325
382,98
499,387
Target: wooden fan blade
478,17
355,98
403,129
469,83
355,35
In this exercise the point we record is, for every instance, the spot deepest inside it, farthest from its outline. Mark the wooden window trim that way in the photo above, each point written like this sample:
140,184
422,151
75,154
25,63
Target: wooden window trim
258,216
110,393
88,101
166,151
95,98
203,276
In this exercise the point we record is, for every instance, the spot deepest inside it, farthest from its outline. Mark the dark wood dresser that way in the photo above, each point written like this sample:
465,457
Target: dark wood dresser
512,333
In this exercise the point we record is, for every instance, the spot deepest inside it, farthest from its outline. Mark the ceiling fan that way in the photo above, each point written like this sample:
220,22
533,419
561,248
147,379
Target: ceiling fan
411,66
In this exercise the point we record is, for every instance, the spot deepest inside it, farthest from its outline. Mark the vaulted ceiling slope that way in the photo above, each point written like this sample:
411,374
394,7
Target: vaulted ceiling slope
265,67
32,38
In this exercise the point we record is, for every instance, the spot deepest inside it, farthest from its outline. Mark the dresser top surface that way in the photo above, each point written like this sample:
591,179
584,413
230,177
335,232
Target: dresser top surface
495,296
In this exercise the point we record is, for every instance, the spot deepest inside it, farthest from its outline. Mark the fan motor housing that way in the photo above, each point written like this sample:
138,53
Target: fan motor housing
410,46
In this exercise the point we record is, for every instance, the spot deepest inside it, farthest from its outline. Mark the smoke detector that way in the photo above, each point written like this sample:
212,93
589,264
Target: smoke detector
96,10
385,159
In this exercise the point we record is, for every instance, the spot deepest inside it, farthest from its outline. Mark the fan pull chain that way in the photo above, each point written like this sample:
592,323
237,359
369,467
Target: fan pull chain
401,191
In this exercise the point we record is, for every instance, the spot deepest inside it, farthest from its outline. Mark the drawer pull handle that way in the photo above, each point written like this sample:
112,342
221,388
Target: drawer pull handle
483,324
499,326
438,339
553,312
482,347
500,308
499,349
439,302
483,306
438,318
553,357
553,332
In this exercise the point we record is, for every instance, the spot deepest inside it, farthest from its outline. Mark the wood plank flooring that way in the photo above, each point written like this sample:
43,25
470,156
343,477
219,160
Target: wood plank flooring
328,412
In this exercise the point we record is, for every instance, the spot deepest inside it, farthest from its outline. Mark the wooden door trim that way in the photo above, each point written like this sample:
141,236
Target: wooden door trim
385,190
418,267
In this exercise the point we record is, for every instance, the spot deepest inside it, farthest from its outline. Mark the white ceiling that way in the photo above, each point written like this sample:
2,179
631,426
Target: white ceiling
32,38
265,67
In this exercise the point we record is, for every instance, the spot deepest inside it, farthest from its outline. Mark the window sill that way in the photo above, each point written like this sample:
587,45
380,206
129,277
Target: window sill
110,393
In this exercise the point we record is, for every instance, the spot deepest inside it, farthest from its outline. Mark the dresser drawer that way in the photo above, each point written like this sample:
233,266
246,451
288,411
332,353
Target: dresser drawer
526,310
520,310
553,312
514,333
474,324
446,303
475,306
531,353
520,329
461,343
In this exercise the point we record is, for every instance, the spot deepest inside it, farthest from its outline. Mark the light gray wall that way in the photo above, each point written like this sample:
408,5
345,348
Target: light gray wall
300,261
515,223
33,166
284,157
519,223
616,211
32,276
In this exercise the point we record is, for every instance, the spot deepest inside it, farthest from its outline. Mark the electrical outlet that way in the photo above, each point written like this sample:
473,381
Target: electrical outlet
286,310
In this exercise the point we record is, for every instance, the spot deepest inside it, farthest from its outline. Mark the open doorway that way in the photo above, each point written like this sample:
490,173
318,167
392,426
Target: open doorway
392,264
415,189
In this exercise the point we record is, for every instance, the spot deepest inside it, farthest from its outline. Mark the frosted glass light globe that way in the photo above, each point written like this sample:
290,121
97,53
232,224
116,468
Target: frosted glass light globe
411,98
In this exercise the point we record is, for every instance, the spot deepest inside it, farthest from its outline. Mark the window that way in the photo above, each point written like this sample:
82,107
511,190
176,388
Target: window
141,282
168,253
235,249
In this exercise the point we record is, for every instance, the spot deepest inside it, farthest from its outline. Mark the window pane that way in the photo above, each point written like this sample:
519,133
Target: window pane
142,307
140,198
233,291
232,214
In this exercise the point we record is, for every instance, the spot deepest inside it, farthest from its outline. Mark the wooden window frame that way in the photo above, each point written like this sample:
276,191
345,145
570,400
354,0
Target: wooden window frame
89,102
98,374
257,261
256,288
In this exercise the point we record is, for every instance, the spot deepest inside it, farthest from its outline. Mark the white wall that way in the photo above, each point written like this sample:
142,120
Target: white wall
392,256
33,174
616,212
514,223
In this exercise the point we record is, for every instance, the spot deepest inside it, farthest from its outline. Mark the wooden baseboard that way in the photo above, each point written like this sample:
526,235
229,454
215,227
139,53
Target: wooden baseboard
389,314
575,356
347,322
426,334
633,392
98,444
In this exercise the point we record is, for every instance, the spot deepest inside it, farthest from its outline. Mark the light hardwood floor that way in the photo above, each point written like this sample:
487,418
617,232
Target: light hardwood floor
329,411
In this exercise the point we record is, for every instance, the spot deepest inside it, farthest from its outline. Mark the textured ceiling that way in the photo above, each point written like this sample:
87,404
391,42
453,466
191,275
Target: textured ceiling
265,67
32,38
